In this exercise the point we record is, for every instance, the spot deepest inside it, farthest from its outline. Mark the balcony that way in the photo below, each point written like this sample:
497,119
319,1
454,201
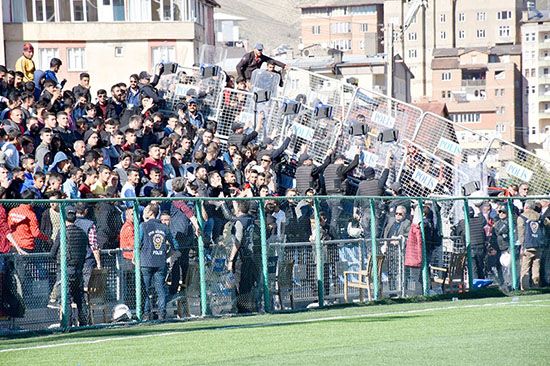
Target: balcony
544,44
544,61
544,96
471,82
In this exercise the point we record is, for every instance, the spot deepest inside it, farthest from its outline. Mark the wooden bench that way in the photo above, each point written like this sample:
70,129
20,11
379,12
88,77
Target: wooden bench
364,279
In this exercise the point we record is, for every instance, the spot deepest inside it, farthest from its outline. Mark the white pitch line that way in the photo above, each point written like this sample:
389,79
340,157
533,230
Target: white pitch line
288,322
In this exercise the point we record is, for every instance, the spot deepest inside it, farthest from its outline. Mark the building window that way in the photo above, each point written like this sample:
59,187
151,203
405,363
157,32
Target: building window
480,33
461,17
314,12
412,36
446,75
533,89
442,18
364,27
363,9
500,75
500,109
461,34
361,44
78,10
534,72
466,117
443,35
119,51
504,15
43,10
500,127
527,73
341,44
338,11
76,59
504,31
446,94
534,130
163,54
412,53
316,29
340,27
45,55
481,16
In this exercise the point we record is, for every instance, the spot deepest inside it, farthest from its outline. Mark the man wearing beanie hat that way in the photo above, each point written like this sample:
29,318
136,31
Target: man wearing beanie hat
25,64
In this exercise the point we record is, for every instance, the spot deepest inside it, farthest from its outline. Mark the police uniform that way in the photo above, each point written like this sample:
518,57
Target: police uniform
155,239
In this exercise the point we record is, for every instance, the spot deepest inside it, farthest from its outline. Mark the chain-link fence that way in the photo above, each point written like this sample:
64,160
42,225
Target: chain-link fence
239,256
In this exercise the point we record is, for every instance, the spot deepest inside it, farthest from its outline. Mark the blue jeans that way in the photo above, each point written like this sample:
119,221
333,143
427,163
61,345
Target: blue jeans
154,276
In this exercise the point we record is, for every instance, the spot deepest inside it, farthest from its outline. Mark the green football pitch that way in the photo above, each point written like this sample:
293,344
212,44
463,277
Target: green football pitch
492,331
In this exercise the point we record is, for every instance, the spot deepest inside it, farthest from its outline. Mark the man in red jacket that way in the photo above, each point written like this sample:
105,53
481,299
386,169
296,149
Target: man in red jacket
24,225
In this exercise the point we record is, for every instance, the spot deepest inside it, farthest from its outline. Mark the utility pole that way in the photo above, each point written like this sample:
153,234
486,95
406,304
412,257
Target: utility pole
389,58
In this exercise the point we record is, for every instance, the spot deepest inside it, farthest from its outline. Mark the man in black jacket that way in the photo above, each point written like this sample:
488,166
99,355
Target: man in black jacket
335,174
77,244
253,60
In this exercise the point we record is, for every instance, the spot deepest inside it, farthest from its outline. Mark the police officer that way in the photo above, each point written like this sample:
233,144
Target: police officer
242,249
335,174
155,242
372,187
77,242
307,174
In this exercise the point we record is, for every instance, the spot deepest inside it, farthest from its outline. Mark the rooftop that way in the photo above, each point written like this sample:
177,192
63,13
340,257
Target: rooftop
327,3
495,50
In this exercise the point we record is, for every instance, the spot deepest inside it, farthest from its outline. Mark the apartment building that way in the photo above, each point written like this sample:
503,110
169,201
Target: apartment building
448,24
480,87
535,33
111,39
352,26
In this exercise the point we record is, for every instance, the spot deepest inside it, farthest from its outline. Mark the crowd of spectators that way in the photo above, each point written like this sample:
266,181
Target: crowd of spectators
61,142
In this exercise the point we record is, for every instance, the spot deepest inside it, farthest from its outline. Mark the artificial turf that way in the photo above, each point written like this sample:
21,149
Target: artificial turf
495,331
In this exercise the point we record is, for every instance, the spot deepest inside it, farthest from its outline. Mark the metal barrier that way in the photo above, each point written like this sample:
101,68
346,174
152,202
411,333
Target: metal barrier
291,262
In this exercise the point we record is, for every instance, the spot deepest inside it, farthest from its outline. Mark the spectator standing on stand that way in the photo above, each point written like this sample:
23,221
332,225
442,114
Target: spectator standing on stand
25,64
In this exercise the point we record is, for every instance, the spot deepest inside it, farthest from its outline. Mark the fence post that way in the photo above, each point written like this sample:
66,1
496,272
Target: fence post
425,276
63,255
202,265
374,250
512,244
265,273
137,260
319,254
468,245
